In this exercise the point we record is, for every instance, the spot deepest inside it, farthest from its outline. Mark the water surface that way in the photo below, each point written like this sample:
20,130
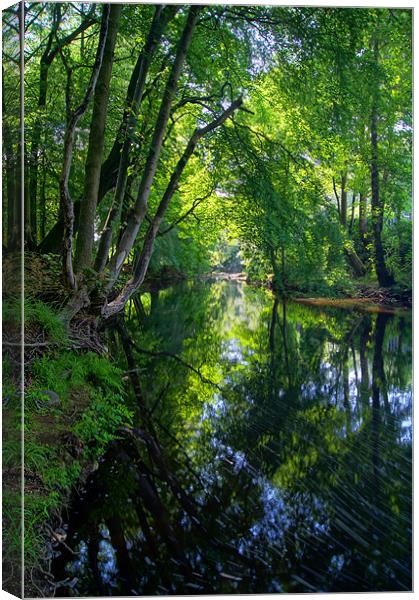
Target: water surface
283,461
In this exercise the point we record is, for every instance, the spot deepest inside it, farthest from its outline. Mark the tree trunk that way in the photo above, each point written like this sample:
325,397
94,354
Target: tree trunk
343,200
363,219
147,250
351,224
336,196
346,405
10,169
47,58
26,205
377,204
85,238
109,168
66,203
45,63
123,560
379,383
355,262
363,357
17,233
160,21
43,202
140,208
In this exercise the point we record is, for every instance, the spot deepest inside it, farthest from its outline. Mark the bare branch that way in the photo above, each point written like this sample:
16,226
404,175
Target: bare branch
195,203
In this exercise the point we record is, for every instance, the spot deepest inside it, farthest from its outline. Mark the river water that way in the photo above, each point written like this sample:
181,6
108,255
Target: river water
279,460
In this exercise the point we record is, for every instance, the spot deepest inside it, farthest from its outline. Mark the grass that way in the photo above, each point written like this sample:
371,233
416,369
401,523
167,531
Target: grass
62,439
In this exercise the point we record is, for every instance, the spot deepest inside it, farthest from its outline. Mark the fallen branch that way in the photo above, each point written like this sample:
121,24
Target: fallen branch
34,345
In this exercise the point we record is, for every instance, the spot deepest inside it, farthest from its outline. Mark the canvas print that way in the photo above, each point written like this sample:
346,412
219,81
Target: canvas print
207,286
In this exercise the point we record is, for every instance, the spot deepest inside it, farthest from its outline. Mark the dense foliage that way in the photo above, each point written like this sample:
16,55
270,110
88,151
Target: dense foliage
165,141
163,137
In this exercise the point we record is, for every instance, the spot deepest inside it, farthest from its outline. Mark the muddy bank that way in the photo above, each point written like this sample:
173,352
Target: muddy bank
358,304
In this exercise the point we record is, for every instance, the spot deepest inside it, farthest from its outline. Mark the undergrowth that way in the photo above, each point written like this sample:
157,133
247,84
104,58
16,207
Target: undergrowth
74,403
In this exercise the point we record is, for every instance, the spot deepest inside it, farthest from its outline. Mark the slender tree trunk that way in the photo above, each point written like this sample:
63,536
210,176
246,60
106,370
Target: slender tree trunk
355,262
377,204
345,378
85,238
158,26
272,324
10,168
123,559
66,203
45,63
363,230
336,196
378,385
343,200
109,168
53,47
378,373
27,205
92,553
11,197
147,250
17,235
125,208
285,343
351,224
140,208
133,98
43,202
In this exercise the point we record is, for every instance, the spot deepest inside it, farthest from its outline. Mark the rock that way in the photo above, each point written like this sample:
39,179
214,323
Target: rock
53,398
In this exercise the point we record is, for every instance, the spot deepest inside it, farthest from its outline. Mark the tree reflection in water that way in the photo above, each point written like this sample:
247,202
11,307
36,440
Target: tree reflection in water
291,473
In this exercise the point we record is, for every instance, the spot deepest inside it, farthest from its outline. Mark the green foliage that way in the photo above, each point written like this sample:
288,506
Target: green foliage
399,248
100,421
40,313
68,372
182,254
257,191
309,78
90,403
37,314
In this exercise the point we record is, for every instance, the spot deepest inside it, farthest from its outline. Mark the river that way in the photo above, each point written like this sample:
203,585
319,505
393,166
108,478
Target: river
286,436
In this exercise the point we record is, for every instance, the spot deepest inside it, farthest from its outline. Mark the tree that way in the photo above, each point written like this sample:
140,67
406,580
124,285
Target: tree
305,175
85,237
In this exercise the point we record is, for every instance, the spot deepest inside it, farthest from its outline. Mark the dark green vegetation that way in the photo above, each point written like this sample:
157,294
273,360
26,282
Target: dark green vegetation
173,141
160,136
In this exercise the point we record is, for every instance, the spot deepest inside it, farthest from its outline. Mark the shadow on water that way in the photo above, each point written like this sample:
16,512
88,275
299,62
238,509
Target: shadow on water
275,456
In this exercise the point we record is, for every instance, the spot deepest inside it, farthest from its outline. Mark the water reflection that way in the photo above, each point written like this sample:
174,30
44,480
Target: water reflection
290,472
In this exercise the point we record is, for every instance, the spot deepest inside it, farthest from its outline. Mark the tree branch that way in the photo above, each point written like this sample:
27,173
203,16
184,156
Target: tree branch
195,203
336,194
147,249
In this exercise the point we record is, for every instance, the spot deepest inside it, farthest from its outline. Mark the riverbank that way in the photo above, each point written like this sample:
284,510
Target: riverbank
366,298
75,400
359,304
